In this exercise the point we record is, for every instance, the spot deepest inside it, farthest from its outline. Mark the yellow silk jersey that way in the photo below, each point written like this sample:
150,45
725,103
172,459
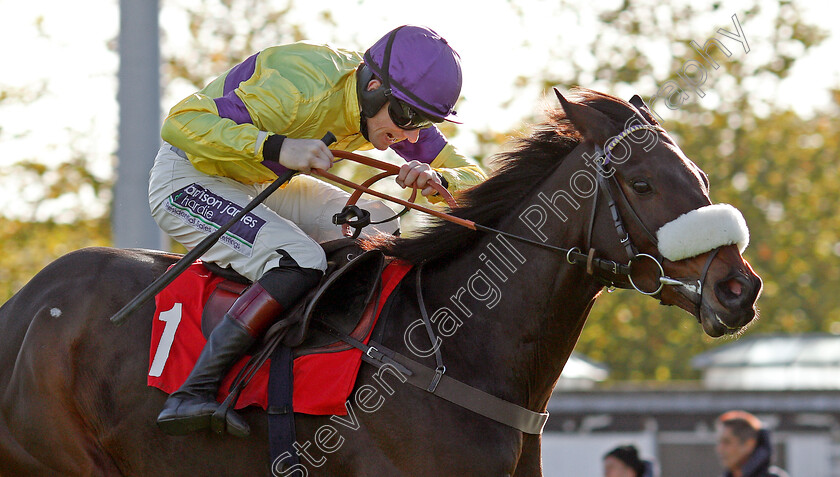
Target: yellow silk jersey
301,91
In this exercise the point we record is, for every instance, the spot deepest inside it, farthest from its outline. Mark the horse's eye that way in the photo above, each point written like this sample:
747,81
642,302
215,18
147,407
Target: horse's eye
641,187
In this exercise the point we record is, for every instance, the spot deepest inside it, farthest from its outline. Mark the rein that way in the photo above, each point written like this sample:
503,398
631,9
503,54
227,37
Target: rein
689,287
573,255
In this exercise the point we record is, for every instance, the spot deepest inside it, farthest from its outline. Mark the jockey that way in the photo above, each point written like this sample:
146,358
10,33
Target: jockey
227,142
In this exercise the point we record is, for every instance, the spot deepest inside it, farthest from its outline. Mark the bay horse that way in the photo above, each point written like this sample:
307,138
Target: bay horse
74,394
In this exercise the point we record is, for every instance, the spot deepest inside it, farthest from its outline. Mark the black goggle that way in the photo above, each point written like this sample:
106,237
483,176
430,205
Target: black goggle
406,117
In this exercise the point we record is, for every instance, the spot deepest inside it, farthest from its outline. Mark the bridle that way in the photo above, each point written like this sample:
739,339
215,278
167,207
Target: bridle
608,272
691,288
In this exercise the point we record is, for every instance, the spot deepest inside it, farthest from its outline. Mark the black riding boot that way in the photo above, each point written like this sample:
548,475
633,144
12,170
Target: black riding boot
190,408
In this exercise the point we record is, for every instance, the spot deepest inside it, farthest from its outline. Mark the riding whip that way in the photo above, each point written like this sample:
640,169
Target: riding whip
162,281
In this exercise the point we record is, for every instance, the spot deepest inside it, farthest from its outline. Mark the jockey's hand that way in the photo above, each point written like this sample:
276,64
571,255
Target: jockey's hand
305,154
418,175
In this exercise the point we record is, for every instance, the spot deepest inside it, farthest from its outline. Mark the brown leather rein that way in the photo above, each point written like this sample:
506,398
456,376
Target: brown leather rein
573,255
389,170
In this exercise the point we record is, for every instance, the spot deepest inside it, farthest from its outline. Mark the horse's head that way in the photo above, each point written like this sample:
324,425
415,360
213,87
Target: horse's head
653,205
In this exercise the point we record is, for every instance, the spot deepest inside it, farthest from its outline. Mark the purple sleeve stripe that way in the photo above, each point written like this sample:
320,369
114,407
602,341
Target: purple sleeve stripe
426,149
231,107
275,167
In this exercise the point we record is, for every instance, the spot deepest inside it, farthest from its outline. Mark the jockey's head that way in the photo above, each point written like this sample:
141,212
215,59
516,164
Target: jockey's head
419,78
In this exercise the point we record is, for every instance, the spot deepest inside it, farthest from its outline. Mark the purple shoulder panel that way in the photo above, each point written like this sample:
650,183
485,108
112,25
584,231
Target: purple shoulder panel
426,149
229,105
240,73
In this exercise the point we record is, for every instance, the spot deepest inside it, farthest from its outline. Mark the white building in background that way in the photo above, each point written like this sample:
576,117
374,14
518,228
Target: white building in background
581,372
792,383
773,362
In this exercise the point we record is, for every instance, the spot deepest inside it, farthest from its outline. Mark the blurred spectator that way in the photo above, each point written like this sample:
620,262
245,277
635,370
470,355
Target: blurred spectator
743,446
624,461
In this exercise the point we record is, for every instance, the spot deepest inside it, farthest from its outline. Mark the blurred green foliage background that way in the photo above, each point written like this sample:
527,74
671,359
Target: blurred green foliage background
778,168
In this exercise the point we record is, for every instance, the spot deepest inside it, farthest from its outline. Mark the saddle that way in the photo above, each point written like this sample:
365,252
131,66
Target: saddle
343,300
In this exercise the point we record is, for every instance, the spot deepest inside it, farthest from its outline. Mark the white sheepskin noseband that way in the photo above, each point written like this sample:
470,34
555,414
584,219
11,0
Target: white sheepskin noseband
702,230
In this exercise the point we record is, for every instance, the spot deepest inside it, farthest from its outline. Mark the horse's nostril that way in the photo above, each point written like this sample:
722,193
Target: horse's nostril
733,292
735,287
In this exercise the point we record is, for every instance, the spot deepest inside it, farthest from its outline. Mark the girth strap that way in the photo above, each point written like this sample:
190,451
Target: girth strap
454,391
475,400
436,382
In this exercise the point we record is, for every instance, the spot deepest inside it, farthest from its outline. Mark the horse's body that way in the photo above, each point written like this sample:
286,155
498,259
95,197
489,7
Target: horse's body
74,394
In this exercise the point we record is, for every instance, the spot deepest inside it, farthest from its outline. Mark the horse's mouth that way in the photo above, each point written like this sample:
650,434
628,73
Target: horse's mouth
723,306
717,323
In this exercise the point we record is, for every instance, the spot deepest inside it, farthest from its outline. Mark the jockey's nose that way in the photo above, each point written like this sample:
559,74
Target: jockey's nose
412,135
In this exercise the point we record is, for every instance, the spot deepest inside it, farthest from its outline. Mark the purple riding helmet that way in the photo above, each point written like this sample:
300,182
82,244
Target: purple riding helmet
420,75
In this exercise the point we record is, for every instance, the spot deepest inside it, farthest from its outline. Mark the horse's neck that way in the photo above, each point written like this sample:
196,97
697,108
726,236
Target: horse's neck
522,307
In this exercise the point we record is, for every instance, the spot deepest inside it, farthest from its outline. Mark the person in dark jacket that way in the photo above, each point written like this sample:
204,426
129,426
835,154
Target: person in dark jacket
743,446
624,461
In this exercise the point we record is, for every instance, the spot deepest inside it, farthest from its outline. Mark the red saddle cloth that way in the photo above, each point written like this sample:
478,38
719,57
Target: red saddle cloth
322,382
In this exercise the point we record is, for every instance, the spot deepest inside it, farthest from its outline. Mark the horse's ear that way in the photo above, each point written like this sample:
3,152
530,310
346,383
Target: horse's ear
592,124
642,108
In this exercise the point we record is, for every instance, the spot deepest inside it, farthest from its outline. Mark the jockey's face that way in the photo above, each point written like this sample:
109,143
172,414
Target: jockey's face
381,129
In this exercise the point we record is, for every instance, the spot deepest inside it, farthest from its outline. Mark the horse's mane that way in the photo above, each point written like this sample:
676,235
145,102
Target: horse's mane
531,159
